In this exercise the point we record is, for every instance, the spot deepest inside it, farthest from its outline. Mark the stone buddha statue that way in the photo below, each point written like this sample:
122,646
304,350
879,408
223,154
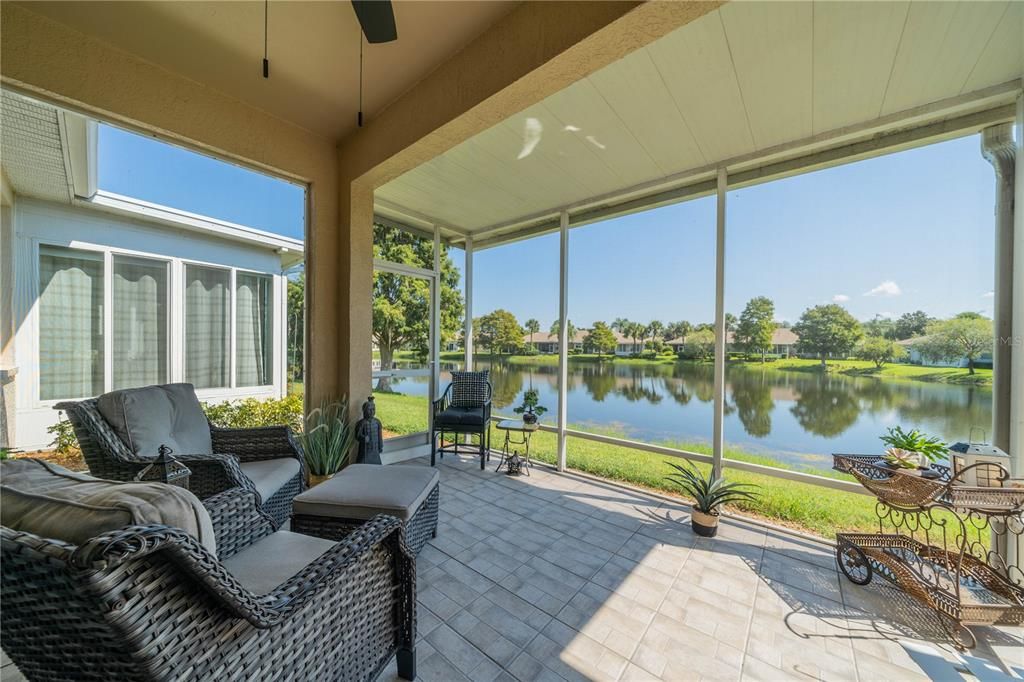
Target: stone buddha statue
369,434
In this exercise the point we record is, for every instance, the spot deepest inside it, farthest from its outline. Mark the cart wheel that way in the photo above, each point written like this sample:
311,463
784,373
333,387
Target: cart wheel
961,636
854,564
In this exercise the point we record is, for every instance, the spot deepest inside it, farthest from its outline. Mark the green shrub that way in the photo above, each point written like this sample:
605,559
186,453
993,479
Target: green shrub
250,412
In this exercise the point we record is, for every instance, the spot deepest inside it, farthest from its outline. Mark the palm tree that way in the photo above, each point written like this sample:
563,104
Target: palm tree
556,331
655,329
532,326
620,325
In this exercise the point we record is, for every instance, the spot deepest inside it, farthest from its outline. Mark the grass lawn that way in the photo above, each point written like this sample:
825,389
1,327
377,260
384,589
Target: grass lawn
947,375
802,506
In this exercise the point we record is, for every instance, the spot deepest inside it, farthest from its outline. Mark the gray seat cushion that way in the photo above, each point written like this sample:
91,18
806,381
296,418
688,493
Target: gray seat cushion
270,475
267,563
53,502
460,416
361,491
146,418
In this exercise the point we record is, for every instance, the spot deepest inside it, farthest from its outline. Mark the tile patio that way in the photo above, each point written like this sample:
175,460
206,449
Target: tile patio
560,577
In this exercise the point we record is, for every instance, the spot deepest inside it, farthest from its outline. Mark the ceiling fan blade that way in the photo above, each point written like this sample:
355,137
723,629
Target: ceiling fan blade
377,18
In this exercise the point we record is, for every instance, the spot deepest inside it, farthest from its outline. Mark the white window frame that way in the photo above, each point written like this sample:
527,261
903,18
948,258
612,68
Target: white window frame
108,254
175,315
274,336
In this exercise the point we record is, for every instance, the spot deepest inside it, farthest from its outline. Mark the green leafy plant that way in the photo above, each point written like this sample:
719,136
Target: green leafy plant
530,405
707,492
64,442
328,437
933,449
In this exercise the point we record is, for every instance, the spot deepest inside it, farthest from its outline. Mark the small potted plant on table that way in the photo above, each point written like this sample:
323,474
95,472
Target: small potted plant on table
530,409
913,451
709,494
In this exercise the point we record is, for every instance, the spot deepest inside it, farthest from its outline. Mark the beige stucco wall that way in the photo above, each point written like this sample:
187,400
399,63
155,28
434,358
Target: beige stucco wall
50,60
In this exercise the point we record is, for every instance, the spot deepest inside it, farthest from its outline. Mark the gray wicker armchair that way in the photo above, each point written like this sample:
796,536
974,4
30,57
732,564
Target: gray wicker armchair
245,458
152,603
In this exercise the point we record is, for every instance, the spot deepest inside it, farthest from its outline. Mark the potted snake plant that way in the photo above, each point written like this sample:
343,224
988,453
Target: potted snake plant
709,494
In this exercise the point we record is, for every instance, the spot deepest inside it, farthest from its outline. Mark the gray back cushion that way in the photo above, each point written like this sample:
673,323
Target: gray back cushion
146,418
52,502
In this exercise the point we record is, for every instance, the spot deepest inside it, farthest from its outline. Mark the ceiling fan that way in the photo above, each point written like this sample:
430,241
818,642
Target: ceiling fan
377,22
377,19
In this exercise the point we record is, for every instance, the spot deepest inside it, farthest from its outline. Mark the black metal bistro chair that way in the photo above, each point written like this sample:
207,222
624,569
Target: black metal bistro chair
464,408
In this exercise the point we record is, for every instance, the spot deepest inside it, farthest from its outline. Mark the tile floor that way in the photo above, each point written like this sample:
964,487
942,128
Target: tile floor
560,577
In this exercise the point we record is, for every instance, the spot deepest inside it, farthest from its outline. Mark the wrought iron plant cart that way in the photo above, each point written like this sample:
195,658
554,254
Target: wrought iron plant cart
953,547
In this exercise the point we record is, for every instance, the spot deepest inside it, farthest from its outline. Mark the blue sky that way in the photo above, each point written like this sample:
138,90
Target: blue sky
897,233
145,168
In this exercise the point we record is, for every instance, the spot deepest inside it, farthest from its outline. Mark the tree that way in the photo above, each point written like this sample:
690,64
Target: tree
655,329
967,335
730,322
555,330
532,326
880,326
912,324
619,324
498,331
296,326
678,330
827,330
880,350
601,339
635,331
700,345
401,304
756,326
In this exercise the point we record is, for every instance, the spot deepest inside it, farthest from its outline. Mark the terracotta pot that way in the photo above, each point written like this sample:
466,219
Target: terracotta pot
315,480
705,525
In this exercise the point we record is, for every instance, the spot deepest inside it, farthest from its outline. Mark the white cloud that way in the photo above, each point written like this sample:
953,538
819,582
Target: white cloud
840,298
886,288
988,294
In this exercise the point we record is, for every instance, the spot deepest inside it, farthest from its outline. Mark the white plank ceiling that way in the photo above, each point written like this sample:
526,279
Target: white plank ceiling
742,80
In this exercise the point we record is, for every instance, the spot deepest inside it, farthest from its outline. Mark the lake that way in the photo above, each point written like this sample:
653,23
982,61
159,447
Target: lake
794,416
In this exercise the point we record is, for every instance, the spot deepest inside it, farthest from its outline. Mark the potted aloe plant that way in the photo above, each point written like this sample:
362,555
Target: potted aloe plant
327,439
709,494
912,450
530,409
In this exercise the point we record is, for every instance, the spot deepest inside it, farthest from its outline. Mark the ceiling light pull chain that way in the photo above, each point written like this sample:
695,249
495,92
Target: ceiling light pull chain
266,62
359,118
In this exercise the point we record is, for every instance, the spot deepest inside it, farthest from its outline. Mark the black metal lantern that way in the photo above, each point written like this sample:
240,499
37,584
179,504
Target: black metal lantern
165,469
514,465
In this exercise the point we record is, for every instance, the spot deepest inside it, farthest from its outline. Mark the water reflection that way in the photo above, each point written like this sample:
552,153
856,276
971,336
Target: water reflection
794,416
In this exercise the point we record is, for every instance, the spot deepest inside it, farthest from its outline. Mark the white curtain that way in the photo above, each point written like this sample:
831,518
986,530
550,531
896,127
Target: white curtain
140,322
70,323
253,361
207,326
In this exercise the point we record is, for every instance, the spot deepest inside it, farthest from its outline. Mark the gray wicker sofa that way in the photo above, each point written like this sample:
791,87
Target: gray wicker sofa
265,460
155,602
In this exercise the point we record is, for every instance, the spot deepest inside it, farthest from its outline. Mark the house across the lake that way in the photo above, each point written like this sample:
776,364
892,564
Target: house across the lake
106,292
915,357
784,343
543,342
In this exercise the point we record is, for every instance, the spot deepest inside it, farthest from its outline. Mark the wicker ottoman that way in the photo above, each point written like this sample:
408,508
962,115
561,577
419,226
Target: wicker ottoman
359,492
